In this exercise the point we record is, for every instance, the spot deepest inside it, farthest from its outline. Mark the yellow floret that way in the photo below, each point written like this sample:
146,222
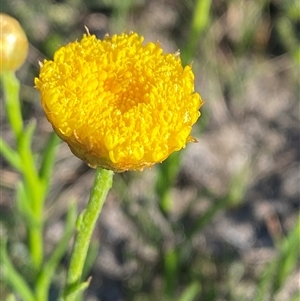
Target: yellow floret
118,104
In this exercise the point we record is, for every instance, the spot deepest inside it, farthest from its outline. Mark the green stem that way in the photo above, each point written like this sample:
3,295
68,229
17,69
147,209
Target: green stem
85,226
11,88
35,241
36,199
33,187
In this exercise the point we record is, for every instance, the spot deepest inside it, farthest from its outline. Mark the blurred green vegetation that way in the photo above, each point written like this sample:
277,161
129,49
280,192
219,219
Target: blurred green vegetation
227,42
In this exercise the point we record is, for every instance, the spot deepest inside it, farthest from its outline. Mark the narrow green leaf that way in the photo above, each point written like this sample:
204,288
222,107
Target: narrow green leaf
33,186
90,258
11,297
296,297
46,275
200,21
12,276
76,291
48,158
280,268
167,174
25,140
288,257
10,155
170,271
191,292
23,205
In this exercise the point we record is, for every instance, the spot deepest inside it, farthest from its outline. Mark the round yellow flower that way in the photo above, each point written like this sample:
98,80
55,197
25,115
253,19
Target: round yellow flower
118,104
13,44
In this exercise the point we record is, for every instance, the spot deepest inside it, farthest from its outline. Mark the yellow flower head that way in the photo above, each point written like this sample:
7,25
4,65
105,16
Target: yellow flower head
13,44
118,104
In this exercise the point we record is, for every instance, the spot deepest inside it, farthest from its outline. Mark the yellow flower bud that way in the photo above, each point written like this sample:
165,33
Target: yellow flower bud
13,44
119,104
